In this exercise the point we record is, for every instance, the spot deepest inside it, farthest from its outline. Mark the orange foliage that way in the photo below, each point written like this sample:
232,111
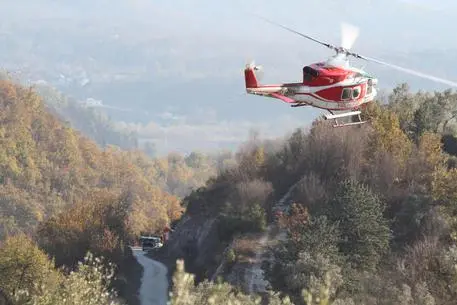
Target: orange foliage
52,166
298,218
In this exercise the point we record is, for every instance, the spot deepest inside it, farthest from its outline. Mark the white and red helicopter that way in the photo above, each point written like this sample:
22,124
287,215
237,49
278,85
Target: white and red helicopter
333,85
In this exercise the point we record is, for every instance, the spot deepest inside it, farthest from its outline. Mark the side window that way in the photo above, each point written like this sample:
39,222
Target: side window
356,92
346,94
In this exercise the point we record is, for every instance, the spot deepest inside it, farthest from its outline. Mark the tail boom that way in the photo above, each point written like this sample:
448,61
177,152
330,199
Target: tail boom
253,86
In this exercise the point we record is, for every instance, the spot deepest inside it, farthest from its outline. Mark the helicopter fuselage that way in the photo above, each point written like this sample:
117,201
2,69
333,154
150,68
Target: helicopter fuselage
323,86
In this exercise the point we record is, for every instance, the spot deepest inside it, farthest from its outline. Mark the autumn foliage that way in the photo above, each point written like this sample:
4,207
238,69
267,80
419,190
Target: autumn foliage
374,219
46,166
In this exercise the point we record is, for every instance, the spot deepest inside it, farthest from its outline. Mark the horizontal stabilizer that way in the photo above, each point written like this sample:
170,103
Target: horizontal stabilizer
283,98
341,115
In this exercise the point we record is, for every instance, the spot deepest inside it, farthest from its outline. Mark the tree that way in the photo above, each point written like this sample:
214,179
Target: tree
308,255
388,136
403,103
23,266
364,232
427,118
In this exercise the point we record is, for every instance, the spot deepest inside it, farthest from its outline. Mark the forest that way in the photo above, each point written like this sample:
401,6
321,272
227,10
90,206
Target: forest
373,219
72,196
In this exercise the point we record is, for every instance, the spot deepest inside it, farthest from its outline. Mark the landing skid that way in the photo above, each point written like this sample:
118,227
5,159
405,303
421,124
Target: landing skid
335,117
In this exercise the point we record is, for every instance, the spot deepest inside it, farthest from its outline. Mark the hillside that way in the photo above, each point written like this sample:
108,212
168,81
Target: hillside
370,217
47,166
72,197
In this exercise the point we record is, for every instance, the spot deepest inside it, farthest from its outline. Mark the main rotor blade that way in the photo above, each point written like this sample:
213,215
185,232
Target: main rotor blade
349,34
298,33
416,73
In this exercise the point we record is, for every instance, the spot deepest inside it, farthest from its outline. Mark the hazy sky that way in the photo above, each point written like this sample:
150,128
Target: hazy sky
386,19
390,20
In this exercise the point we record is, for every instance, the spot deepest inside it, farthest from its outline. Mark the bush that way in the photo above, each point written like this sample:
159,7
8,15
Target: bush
253,221
28,277
87,285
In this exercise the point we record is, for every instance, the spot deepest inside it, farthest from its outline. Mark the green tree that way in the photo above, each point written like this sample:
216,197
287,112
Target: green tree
427,118
364,231
308,255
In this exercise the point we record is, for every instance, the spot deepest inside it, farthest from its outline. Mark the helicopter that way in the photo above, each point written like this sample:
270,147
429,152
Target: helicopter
333,85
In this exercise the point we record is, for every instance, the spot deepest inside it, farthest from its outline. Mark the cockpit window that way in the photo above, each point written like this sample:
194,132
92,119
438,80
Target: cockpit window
346,94
356,92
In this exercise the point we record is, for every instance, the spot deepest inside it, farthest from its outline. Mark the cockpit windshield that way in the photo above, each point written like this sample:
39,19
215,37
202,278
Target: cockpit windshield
309,74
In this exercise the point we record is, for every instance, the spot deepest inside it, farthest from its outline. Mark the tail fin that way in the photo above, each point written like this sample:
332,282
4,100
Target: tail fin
250,77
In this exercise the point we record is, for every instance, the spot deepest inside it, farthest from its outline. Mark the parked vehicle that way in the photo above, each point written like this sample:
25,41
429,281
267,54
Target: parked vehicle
150,242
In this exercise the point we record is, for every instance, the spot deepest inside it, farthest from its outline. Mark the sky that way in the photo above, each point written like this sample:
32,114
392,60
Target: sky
322,17
205,44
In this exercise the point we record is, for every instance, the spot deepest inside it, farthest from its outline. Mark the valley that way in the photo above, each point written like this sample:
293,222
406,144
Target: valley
124,119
